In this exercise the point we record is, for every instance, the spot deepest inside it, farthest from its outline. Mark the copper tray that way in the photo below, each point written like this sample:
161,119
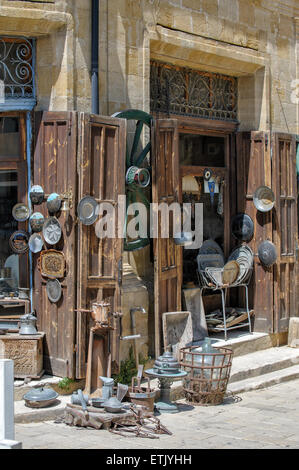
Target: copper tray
51,263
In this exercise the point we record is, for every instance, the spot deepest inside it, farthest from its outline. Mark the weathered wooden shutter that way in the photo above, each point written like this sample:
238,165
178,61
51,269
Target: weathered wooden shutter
55,171
101,169
285,231
253,169
167,255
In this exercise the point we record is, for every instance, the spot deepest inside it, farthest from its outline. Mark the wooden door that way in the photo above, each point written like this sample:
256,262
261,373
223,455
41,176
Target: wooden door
101,170
253,169
55,171
167,255
285,230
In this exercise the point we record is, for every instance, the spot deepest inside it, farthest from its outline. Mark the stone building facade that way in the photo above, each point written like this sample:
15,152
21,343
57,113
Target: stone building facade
255,41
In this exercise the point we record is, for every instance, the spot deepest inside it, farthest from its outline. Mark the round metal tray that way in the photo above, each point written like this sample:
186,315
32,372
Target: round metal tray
54,290
87,210
52,231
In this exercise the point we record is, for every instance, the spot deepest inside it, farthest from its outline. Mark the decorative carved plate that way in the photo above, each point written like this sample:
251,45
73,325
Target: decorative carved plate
19,241
52,264
52,231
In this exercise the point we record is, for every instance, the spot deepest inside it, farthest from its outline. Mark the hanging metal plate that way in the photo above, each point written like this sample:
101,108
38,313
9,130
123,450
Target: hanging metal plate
52,264
87,210
264,199
36,243
52,231
37,195
267,253
54,203
242,227
18,242
36,222
54,290
21,212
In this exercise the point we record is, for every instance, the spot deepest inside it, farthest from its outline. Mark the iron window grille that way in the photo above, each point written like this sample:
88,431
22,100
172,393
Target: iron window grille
184,91
17,69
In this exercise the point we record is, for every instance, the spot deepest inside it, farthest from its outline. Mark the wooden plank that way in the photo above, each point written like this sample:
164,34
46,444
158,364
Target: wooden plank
285,229
55,171
253,169
167,256
101,170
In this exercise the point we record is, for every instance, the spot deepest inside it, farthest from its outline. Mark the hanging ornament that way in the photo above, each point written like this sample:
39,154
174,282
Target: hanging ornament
212,191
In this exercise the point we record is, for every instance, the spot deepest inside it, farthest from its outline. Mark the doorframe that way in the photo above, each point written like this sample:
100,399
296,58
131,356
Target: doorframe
216,128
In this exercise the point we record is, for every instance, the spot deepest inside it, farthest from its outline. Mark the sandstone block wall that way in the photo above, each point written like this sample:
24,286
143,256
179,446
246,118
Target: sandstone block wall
255,40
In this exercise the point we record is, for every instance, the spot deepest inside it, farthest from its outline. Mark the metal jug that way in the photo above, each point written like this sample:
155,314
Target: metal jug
27,324
107,390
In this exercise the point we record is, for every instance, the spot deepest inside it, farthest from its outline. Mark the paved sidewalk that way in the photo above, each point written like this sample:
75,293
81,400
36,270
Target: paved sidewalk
262,419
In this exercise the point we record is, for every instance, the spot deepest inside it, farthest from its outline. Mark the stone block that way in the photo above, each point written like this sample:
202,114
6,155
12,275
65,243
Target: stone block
229,9
7,430
26,351
9,444
293,336
199,23
165,15
210,7
283,48
193,4
246,13
286,26
182,19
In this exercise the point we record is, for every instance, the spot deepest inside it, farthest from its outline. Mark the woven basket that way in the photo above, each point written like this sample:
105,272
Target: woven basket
208,375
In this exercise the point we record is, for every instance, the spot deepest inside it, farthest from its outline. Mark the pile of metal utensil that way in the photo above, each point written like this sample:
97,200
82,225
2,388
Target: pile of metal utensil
144,396
146,425
213,271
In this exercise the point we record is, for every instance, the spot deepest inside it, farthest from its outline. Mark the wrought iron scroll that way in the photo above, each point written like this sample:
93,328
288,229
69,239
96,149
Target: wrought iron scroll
177,90
16,67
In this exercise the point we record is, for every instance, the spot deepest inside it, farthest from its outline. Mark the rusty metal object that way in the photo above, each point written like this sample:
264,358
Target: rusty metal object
146,425
51,264
100,312
144,396
208,374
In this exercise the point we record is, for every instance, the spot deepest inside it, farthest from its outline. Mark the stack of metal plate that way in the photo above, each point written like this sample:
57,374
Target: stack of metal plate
211,265
244,257
210,262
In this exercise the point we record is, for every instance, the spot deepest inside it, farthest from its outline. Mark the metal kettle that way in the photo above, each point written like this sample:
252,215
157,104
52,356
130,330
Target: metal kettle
27,324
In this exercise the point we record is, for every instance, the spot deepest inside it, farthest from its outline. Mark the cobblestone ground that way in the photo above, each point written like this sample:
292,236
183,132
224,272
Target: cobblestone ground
262,419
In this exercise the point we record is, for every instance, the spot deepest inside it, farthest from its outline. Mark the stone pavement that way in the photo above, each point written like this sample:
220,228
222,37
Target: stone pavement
261,419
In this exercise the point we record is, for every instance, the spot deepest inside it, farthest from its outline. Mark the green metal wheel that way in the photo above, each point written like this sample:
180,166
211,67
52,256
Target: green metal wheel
138,170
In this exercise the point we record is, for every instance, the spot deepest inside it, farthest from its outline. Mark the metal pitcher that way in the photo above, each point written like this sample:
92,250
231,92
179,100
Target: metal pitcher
107,390
27,324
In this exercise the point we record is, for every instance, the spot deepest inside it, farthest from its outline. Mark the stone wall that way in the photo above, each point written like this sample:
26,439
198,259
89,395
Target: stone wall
253,40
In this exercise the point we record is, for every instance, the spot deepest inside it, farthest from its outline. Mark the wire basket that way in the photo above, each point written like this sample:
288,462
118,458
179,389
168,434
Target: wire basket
208,375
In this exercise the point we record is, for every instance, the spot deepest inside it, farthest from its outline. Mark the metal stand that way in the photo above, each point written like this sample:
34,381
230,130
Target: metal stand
223,298
165,405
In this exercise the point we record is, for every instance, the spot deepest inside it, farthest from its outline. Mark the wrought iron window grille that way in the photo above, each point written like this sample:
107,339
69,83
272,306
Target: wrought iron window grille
17,69
184,91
